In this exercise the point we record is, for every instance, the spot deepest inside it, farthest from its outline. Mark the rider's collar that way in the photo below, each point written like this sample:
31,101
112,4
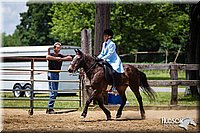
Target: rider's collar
108,41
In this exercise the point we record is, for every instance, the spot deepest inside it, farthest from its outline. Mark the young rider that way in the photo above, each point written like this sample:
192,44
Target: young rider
109,54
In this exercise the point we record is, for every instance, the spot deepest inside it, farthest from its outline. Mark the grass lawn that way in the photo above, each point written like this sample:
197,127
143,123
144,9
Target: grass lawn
40,103
162,74
163,99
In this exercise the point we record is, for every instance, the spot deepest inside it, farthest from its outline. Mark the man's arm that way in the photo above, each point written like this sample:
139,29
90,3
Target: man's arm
67,58
49,57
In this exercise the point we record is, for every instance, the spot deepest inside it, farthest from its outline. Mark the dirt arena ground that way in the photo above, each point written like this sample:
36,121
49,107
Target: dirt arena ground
18,120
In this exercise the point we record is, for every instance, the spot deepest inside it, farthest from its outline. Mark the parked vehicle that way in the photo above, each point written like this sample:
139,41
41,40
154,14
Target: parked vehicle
9,54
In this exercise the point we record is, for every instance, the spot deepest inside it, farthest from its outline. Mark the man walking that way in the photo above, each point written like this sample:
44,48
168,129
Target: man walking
54,63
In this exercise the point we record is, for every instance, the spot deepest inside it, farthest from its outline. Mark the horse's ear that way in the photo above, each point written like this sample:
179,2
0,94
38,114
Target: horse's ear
75,50
79,52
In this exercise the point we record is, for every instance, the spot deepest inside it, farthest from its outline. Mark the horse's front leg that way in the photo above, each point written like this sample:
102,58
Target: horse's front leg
100,102
122,94
84,113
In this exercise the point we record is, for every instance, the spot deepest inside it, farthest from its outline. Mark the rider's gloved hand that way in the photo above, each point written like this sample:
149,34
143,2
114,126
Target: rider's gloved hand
98,59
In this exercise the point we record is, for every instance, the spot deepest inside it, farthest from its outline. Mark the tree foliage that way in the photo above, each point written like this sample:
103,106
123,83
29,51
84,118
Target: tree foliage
34,28
142,27
68,19
149,27
136,26
11,40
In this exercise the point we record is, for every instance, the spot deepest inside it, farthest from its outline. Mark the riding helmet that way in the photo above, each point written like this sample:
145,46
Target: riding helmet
108,32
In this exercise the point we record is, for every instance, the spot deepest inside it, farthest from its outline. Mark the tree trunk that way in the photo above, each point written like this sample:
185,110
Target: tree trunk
102,22
193,47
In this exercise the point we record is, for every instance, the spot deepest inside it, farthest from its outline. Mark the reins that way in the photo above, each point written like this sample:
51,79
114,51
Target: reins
90,66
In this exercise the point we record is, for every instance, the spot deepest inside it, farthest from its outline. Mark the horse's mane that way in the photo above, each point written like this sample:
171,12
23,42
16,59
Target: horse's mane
88,58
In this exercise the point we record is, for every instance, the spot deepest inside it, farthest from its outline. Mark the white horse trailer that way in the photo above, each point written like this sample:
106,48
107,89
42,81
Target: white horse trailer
9,54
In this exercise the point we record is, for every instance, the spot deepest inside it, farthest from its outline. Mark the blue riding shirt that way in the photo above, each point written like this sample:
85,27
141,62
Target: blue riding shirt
108,53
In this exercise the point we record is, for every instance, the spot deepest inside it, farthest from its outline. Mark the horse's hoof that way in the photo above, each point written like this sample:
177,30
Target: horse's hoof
118,116
82,117
108,118
143,116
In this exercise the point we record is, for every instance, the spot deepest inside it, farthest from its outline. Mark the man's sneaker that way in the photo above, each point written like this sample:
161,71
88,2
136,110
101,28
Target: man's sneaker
50,111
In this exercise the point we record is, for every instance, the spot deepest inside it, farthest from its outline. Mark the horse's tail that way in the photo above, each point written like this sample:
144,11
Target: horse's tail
146,88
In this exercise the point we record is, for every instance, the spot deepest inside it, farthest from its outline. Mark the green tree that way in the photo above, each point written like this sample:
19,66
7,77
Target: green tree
34,27
11,40
68,19
149,27
141,27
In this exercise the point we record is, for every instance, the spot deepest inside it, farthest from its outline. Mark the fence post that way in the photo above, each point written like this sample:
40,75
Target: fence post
32,87
86,46
174,76
89,40
166,56
136,57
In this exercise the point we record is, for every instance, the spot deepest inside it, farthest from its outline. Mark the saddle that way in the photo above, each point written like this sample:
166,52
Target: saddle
108,72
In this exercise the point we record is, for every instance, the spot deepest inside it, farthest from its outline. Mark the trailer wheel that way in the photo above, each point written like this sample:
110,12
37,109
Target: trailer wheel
17,90
27,88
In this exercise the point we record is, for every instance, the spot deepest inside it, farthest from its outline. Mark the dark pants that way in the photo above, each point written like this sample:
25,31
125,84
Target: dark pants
114,74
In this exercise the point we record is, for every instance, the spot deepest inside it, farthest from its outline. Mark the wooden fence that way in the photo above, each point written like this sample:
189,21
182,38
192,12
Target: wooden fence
32,80
166,56
174,82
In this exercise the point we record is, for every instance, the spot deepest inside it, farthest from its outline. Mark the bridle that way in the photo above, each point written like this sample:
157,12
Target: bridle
93,65
90,68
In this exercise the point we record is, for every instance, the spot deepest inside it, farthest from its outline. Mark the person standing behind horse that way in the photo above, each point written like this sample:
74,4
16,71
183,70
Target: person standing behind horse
109,54
54,63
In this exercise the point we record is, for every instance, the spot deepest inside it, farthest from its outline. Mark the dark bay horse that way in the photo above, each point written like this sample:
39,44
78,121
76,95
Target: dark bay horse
95,72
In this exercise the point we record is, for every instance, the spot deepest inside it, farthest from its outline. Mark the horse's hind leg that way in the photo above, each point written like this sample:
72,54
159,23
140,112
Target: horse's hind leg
106,111
139,99
121,91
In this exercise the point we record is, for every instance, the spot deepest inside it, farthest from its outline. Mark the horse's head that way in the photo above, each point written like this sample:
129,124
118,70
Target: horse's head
77,61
